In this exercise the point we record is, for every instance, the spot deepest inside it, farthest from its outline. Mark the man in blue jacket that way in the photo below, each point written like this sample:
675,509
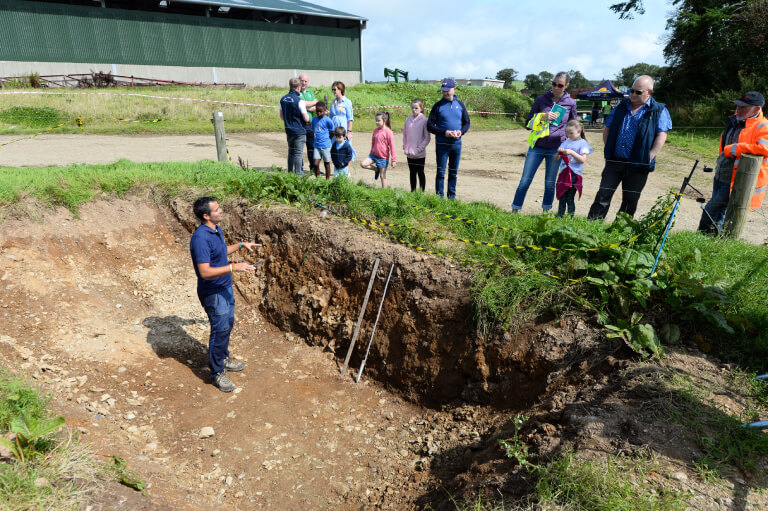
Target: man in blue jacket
448,121
634,133
293,112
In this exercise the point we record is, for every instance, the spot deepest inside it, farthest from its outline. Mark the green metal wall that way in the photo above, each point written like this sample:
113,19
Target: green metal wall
35,32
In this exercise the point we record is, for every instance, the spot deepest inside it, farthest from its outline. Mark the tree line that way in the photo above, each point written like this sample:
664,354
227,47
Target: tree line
714,50
536,84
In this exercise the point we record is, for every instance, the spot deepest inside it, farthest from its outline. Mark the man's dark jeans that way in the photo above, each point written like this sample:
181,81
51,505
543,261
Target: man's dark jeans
295,148
632,184
715,208
447,151
220,307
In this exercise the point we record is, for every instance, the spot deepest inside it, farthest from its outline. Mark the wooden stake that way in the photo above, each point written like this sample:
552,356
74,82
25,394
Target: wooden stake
360,317
741,194
221,137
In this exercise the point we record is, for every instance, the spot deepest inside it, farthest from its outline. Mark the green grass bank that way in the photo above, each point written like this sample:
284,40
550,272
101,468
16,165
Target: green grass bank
101,113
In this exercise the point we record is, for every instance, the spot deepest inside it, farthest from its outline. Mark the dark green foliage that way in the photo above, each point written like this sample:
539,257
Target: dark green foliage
31,117
536,85
509,75
627,75
123,475
578,80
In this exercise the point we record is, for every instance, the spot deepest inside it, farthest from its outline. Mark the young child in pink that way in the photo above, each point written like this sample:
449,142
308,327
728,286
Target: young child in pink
382,149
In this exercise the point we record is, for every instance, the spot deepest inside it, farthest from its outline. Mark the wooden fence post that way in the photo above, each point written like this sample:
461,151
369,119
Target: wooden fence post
221,137
741,194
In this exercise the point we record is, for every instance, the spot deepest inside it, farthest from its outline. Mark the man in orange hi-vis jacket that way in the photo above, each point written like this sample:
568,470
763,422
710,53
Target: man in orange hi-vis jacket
746,132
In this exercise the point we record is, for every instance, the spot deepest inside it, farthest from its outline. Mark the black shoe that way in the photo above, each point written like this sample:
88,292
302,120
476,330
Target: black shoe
376,174
233,366
222,382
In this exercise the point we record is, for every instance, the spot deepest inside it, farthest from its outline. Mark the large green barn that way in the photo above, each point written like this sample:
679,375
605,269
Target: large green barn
256,42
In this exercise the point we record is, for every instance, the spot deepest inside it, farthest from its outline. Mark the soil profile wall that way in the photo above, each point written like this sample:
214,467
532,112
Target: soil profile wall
426,344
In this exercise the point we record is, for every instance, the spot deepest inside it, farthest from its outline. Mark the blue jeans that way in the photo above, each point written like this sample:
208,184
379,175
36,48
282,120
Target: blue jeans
447,151
220,307
296,145
531,165
721,192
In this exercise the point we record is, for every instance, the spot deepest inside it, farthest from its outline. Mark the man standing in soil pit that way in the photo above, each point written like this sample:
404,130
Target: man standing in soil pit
214,286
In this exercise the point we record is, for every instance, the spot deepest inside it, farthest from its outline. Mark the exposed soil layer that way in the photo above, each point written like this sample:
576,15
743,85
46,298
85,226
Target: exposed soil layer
101,311
426,343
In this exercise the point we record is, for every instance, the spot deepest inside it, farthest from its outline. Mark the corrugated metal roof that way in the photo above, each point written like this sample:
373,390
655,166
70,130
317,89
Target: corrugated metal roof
289,6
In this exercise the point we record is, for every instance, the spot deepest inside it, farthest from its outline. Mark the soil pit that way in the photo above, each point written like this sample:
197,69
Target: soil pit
102,311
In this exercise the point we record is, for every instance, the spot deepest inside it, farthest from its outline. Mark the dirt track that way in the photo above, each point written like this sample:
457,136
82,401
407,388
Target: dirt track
490,169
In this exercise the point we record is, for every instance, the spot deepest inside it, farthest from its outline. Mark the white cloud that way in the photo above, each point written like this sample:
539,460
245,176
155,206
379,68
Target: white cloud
432,39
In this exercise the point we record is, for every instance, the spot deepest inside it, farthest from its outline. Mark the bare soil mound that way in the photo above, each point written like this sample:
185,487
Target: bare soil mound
101,310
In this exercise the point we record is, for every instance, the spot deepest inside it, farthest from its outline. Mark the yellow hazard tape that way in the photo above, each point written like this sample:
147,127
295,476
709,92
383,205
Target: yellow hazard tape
446,215
33,136
151,121
500,245
376,226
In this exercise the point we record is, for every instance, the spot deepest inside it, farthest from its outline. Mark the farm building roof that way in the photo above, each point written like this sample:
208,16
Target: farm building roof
288,6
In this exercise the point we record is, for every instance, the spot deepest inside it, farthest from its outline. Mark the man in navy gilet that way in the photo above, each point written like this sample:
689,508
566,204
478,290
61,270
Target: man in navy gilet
634,133
448,121
293,112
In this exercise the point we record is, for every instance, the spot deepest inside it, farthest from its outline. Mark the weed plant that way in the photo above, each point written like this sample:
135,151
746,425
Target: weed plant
56,468
101,114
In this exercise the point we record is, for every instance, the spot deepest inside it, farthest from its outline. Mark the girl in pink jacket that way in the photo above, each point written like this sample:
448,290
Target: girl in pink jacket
415,141
382,149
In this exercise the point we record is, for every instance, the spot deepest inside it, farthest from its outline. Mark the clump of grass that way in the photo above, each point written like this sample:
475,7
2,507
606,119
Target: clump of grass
59,471
36,117
724,443
612,484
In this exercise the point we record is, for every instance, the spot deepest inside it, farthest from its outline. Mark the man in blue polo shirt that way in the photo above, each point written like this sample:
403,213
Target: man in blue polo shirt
293,112
634,133
214,286
448,121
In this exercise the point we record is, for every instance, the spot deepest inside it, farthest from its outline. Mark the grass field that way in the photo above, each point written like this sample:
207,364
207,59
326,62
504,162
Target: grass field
101,113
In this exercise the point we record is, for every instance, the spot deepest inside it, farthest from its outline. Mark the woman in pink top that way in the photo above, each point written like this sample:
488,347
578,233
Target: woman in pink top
382,149
415,141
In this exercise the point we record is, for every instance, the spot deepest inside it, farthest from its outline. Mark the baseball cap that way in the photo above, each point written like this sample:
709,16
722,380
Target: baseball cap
751,98
449,84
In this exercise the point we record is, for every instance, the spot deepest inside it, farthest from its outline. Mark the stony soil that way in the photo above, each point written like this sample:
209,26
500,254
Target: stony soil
101,312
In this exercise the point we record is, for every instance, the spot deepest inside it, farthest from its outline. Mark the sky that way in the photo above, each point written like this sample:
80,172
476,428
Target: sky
435,39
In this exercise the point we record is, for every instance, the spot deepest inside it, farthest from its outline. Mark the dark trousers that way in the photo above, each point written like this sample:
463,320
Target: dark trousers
311,147
416,166
632,184
220,308
295,147
567,201
714,212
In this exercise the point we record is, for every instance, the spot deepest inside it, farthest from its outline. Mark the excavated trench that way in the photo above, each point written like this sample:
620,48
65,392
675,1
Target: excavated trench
427,346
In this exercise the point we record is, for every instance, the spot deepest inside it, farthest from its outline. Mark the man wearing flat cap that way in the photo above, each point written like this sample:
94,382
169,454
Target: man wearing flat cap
448,121
746,132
